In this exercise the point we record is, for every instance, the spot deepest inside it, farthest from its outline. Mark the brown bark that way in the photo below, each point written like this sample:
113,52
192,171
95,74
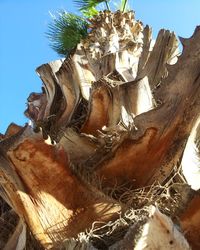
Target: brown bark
157,232
190,222
53,202
117,114
161,133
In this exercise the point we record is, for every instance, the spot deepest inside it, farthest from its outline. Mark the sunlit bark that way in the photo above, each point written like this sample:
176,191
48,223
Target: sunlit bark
112,119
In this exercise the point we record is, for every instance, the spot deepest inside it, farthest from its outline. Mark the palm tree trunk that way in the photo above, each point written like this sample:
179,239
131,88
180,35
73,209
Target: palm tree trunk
109,134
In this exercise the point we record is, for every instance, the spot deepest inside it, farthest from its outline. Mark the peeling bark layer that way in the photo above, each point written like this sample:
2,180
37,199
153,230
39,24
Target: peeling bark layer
190,222
54,203
113,119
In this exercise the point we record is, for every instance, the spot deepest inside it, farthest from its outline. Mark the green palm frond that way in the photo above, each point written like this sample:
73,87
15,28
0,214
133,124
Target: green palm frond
123,7
90,12
85,4
89,5
66,31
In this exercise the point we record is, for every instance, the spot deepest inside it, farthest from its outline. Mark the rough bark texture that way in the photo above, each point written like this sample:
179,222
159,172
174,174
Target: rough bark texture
108,141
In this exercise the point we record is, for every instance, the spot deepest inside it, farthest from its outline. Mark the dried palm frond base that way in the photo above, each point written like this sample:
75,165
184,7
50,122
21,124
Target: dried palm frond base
8,222
137,228
115,124
143,226
10,229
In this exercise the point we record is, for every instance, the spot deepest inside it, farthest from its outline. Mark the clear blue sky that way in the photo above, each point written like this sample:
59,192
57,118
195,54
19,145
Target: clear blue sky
23,45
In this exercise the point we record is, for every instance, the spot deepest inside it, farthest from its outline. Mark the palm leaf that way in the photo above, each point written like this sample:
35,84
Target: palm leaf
66,31
123,5
89,12
85,5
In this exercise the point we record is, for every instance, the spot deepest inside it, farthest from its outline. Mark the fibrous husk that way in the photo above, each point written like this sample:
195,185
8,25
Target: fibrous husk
112,120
